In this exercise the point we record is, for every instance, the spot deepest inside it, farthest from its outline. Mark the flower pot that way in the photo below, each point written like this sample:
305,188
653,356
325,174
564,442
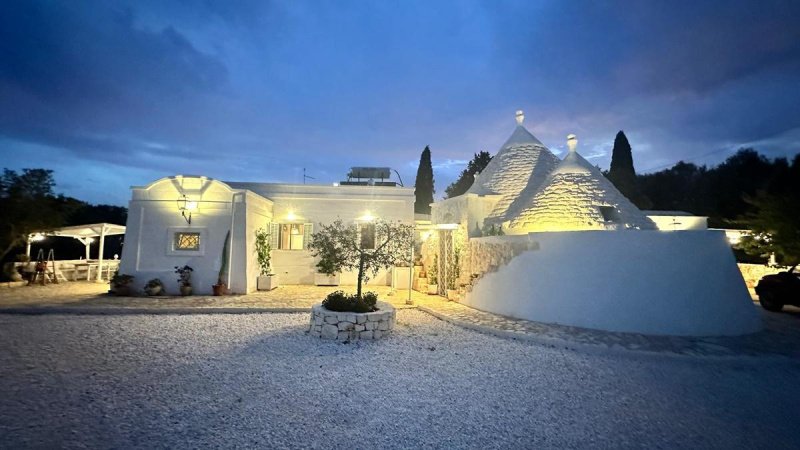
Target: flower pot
421,284
321,279
186,290
152,290
219,289
122,290
400,277
452,294
433,289
267,282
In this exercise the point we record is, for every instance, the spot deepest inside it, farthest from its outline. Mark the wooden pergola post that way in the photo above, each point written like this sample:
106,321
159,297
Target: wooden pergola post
100,256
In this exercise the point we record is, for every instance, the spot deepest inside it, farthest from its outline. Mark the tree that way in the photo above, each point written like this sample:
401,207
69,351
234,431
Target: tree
423,186
622,173
28,205
775,218
366,247
462,184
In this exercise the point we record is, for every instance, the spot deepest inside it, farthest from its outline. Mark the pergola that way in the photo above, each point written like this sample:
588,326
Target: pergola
83,233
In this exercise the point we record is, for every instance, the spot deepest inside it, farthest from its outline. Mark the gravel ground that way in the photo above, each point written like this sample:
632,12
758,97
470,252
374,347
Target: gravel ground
258,381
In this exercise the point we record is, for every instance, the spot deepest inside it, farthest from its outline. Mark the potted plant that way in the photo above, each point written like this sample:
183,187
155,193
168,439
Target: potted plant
185,279
220,287
154,287
121,284
433,276
453,272
267,280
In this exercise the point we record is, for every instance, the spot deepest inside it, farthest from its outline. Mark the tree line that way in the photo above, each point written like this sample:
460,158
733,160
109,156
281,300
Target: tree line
30,204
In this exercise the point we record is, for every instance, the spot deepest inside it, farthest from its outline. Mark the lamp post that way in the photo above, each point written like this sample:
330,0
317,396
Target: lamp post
410,274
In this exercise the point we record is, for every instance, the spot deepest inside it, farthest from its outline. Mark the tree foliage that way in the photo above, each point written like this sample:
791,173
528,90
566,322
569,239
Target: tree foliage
341,246
467,177
28,205
263,251
775,218
423,186
622,173
746,191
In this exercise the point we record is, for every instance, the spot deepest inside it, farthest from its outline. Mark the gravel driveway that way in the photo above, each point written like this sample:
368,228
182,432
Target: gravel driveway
258,381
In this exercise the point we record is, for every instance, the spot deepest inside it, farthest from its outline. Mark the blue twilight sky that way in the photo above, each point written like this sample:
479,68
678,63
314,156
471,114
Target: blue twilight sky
111,94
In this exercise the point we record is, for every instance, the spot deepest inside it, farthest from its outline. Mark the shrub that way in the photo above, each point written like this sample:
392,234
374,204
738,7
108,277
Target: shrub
185,274
155,282
121,279
341,302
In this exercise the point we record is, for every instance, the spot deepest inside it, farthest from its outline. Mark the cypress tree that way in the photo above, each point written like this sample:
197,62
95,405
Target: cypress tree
423,186
622,173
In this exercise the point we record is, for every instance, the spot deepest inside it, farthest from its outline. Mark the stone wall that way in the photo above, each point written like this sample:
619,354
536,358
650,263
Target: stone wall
753,272
348,326
487,254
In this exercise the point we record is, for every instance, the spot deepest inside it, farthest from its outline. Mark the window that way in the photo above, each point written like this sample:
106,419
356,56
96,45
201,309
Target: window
367,232
610,214
292,236
187,241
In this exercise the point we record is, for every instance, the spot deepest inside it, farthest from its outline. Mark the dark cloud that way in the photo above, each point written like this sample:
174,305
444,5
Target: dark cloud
258,90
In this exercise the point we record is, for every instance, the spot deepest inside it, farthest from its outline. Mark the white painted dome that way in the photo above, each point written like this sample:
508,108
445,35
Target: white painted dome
576,196
520,158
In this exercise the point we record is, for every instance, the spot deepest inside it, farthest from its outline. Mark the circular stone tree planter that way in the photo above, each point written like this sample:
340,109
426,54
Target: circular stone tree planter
350,326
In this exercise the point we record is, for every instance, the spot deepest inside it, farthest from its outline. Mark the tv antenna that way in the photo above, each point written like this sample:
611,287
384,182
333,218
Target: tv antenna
306,177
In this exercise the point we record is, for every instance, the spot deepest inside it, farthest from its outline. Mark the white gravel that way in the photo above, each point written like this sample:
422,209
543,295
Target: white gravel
259,381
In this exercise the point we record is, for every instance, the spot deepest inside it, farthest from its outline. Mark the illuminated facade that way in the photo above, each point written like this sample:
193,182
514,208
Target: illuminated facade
183,220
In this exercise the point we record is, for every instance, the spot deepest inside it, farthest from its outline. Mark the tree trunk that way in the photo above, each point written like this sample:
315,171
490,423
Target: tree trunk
360,273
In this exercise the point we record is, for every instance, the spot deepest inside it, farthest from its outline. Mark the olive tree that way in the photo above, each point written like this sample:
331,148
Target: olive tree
367,247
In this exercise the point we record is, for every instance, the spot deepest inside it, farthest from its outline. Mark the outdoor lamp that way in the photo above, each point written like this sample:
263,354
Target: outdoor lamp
186,206
37,237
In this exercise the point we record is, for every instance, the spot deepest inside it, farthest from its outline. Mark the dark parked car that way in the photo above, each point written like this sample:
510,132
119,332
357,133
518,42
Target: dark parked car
779,289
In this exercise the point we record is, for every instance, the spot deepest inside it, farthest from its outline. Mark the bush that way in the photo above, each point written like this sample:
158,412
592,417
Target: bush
341,302
121,279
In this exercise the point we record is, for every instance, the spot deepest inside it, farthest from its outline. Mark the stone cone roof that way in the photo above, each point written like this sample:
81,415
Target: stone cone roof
521,159
576,196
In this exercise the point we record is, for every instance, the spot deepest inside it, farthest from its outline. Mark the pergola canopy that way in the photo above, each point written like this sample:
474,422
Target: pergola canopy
86,231
85,234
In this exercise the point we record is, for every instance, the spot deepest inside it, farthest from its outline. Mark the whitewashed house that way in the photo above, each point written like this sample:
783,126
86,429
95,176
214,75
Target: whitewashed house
574,251
183,220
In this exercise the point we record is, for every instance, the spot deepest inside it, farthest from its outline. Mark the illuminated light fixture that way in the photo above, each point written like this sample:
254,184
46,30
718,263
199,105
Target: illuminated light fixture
447,226
186,207
290,216
367,217
37,237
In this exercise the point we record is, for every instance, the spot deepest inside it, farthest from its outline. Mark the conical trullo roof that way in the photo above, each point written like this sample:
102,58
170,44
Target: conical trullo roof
511,169
576,196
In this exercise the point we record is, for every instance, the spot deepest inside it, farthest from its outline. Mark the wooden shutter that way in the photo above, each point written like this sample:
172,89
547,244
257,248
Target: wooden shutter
274,235
307,230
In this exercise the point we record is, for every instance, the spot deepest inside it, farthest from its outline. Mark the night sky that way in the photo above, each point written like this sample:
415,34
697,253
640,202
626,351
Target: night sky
111,94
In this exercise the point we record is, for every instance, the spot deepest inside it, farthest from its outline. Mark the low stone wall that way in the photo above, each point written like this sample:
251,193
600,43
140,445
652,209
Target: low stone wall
753,272
487,254
348,326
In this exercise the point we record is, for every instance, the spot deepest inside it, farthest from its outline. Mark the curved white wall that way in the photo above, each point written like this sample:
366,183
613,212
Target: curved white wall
676,283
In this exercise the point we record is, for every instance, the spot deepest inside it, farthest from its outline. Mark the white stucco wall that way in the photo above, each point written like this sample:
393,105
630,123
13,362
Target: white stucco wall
322,204
153,217
653,282
667,222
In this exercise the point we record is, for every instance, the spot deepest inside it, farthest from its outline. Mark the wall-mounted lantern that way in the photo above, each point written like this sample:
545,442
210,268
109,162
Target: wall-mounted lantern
186,207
